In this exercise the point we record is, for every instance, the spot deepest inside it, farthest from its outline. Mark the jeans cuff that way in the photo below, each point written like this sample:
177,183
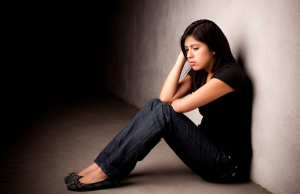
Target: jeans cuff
110,172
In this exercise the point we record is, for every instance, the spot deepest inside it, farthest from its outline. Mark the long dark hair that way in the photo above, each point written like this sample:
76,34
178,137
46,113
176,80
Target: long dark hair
208,32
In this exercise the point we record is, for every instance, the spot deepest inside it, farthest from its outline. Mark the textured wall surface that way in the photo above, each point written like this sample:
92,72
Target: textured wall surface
264,35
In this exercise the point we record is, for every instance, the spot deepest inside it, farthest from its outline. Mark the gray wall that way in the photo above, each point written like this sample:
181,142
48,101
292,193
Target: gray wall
264,35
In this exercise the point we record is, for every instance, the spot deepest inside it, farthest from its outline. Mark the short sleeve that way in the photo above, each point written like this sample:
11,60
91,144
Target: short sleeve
233,75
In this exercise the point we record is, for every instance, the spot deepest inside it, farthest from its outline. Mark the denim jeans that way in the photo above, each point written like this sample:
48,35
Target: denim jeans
158,120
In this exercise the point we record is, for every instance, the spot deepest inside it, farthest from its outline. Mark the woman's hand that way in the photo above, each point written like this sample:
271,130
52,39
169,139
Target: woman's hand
181,57
172,85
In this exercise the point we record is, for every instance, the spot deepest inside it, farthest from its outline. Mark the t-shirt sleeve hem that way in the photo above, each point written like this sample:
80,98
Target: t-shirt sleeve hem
232,76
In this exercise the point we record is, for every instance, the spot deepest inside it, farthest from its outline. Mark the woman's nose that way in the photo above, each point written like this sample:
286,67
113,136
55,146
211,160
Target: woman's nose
190,54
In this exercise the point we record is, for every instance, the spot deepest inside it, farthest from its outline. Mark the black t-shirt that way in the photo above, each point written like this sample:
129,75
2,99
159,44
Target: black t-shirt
226,120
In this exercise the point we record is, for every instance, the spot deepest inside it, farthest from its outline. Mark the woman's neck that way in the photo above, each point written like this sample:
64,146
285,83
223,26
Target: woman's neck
209,77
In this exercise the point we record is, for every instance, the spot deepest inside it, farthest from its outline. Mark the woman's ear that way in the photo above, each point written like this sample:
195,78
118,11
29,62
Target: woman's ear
214,52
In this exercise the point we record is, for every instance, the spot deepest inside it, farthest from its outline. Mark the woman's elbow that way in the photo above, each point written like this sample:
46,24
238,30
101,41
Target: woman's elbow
164,99
177,107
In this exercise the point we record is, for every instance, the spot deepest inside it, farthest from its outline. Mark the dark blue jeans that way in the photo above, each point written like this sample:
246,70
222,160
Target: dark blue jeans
158,120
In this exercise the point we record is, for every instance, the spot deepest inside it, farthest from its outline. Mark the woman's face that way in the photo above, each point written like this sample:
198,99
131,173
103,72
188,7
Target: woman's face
198,54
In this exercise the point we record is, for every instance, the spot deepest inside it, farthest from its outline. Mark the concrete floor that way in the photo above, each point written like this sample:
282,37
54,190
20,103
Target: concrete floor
68,136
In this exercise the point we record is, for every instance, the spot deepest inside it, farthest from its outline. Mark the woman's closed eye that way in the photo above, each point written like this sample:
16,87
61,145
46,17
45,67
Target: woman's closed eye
186,50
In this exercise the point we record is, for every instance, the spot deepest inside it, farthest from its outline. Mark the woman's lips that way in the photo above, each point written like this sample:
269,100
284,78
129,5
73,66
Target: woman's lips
192,63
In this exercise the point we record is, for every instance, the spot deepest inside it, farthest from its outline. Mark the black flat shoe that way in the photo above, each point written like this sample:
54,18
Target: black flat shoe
72,177
105,184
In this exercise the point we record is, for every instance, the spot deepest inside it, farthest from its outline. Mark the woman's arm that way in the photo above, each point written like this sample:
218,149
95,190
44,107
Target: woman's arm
210,91
171,89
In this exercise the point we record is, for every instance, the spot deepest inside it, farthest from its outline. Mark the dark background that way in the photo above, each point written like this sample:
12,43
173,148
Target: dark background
53,54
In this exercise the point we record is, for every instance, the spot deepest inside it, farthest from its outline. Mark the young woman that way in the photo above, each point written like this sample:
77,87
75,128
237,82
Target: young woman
218,149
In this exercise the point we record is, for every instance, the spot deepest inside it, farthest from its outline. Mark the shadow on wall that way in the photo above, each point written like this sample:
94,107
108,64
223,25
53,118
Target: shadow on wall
56,56
249,98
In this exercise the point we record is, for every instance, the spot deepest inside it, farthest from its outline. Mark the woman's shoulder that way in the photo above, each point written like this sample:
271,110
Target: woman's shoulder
231,66
232,74
230,69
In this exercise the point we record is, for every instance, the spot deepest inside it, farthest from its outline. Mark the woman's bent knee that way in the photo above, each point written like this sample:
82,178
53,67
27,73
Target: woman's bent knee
155,100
